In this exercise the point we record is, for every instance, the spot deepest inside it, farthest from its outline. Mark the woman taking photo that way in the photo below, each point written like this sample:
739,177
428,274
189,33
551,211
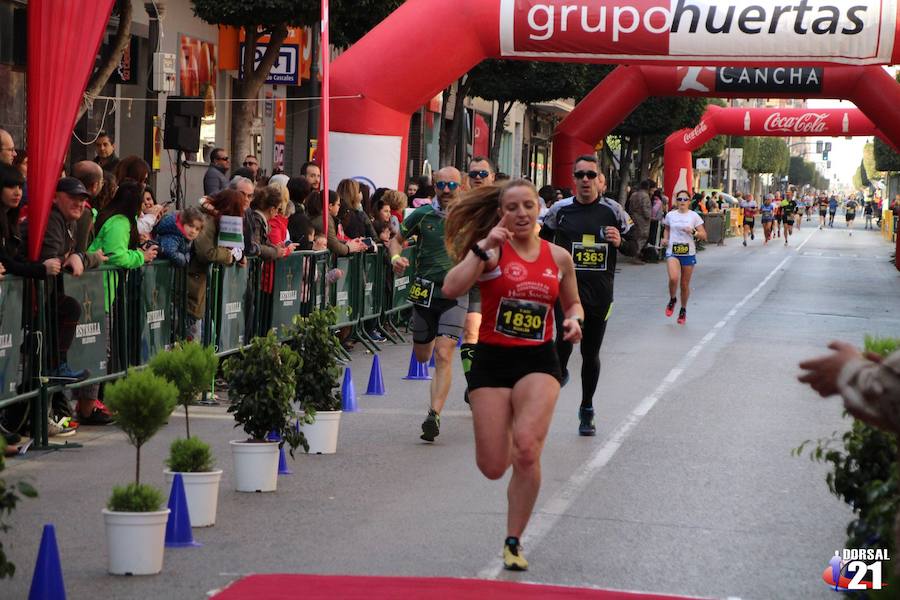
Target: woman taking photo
682,225
515,374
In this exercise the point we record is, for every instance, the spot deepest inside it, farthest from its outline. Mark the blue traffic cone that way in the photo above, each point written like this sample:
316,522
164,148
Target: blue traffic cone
348,393
431,362
417,371
47,581
376,382
283,468
178,527
273,437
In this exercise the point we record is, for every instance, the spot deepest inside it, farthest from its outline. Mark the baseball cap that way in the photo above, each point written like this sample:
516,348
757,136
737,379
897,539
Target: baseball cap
72,186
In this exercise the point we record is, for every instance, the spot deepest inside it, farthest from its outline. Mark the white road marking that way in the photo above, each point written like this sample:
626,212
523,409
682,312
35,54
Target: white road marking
546,518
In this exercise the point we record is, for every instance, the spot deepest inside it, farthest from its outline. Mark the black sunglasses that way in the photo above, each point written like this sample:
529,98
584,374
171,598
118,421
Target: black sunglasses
221,158
588,174
446,184
482,174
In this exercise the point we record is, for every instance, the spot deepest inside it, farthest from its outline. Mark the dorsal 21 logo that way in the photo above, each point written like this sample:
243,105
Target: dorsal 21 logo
855,569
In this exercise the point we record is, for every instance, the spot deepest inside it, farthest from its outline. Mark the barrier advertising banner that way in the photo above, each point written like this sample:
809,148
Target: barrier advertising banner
155,314
11,335
88,350
231,320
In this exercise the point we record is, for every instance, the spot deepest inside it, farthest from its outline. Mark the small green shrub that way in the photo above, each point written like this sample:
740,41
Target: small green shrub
864,472
318,384
191,455
191,368
261,382
142,402
135,497
9,497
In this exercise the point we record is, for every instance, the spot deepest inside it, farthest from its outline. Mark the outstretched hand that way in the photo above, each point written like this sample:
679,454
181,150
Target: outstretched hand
822,372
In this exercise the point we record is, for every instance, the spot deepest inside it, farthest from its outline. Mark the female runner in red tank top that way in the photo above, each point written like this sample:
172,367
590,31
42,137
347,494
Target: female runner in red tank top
514,380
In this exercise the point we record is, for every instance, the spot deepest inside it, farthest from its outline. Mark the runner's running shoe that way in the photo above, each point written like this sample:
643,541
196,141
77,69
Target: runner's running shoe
670,307
682,316
586,421
431,427
64,373
513,560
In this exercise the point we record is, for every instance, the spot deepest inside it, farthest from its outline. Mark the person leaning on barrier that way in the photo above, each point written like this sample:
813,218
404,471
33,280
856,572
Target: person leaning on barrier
266,205
93,178
117,232
227,203
59,242
12,247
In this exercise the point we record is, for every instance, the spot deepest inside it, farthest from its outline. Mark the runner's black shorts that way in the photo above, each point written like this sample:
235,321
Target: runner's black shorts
749,223
445,317
503,366
778,218
789,221
822,213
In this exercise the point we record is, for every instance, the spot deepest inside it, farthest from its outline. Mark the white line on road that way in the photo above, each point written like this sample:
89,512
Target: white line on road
549,514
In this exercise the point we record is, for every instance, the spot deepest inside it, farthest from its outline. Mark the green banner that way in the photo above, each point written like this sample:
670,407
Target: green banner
370,281
88,350
287,283
155,318
342,292
233,298
11,290
401,282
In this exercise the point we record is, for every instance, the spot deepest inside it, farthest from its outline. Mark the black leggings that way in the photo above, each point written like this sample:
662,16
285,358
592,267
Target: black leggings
591,340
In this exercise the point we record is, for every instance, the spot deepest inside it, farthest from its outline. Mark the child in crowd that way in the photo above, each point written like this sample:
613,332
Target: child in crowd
151,213
176,234
398,202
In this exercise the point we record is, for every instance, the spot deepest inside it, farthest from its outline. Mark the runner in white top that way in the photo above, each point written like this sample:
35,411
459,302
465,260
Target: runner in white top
681,227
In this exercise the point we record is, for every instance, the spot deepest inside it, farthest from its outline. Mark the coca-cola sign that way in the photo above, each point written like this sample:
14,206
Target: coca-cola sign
807,123
695,132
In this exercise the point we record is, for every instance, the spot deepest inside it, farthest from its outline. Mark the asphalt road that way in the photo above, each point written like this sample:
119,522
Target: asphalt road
688,488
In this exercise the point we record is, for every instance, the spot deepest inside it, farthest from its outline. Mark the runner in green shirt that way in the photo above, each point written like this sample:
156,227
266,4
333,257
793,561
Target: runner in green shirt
437,322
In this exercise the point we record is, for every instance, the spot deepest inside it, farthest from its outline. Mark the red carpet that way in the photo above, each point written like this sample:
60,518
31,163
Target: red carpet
331,587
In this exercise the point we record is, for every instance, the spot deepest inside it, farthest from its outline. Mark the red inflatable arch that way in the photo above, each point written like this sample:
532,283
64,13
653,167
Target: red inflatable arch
773,122
871,88
426,44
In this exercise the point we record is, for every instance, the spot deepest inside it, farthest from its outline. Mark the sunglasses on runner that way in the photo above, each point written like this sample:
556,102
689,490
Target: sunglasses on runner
482,174
452,185
683,199
588,174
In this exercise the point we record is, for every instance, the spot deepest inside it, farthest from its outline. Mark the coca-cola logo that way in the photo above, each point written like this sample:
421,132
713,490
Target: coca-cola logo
805,123
695,132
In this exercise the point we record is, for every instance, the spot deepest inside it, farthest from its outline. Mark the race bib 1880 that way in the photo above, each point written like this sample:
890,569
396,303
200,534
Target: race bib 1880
681,249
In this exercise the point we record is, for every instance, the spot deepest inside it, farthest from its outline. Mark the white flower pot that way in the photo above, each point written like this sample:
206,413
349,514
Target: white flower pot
202,493
135,541
323,434
255,466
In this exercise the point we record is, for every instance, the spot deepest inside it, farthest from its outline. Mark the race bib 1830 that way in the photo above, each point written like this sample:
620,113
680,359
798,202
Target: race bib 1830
522,319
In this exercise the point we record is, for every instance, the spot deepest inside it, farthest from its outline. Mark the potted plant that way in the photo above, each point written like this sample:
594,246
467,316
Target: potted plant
135,525
318,384
261,382
191,367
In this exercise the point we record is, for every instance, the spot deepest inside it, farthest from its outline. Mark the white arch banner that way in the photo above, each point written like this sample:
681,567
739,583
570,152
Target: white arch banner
855,32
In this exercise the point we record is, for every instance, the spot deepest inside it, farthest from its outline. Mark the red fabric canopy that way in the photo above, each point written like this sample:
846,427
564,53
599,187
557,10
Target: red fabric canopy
63,37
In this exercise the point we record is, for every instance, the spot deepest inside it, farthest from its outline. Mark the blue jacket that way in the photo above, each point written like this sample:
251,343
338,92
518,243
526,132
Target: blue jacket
172,243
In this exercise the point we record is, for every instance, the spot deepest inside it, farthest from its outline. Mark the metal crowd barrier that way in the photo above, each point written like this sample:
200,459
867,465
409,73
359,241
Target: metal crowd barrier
126,317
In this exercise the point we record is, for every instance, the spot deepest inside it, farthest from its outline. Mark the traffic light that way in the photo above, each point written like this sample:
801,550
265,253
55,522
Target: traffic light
825,156
820,147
